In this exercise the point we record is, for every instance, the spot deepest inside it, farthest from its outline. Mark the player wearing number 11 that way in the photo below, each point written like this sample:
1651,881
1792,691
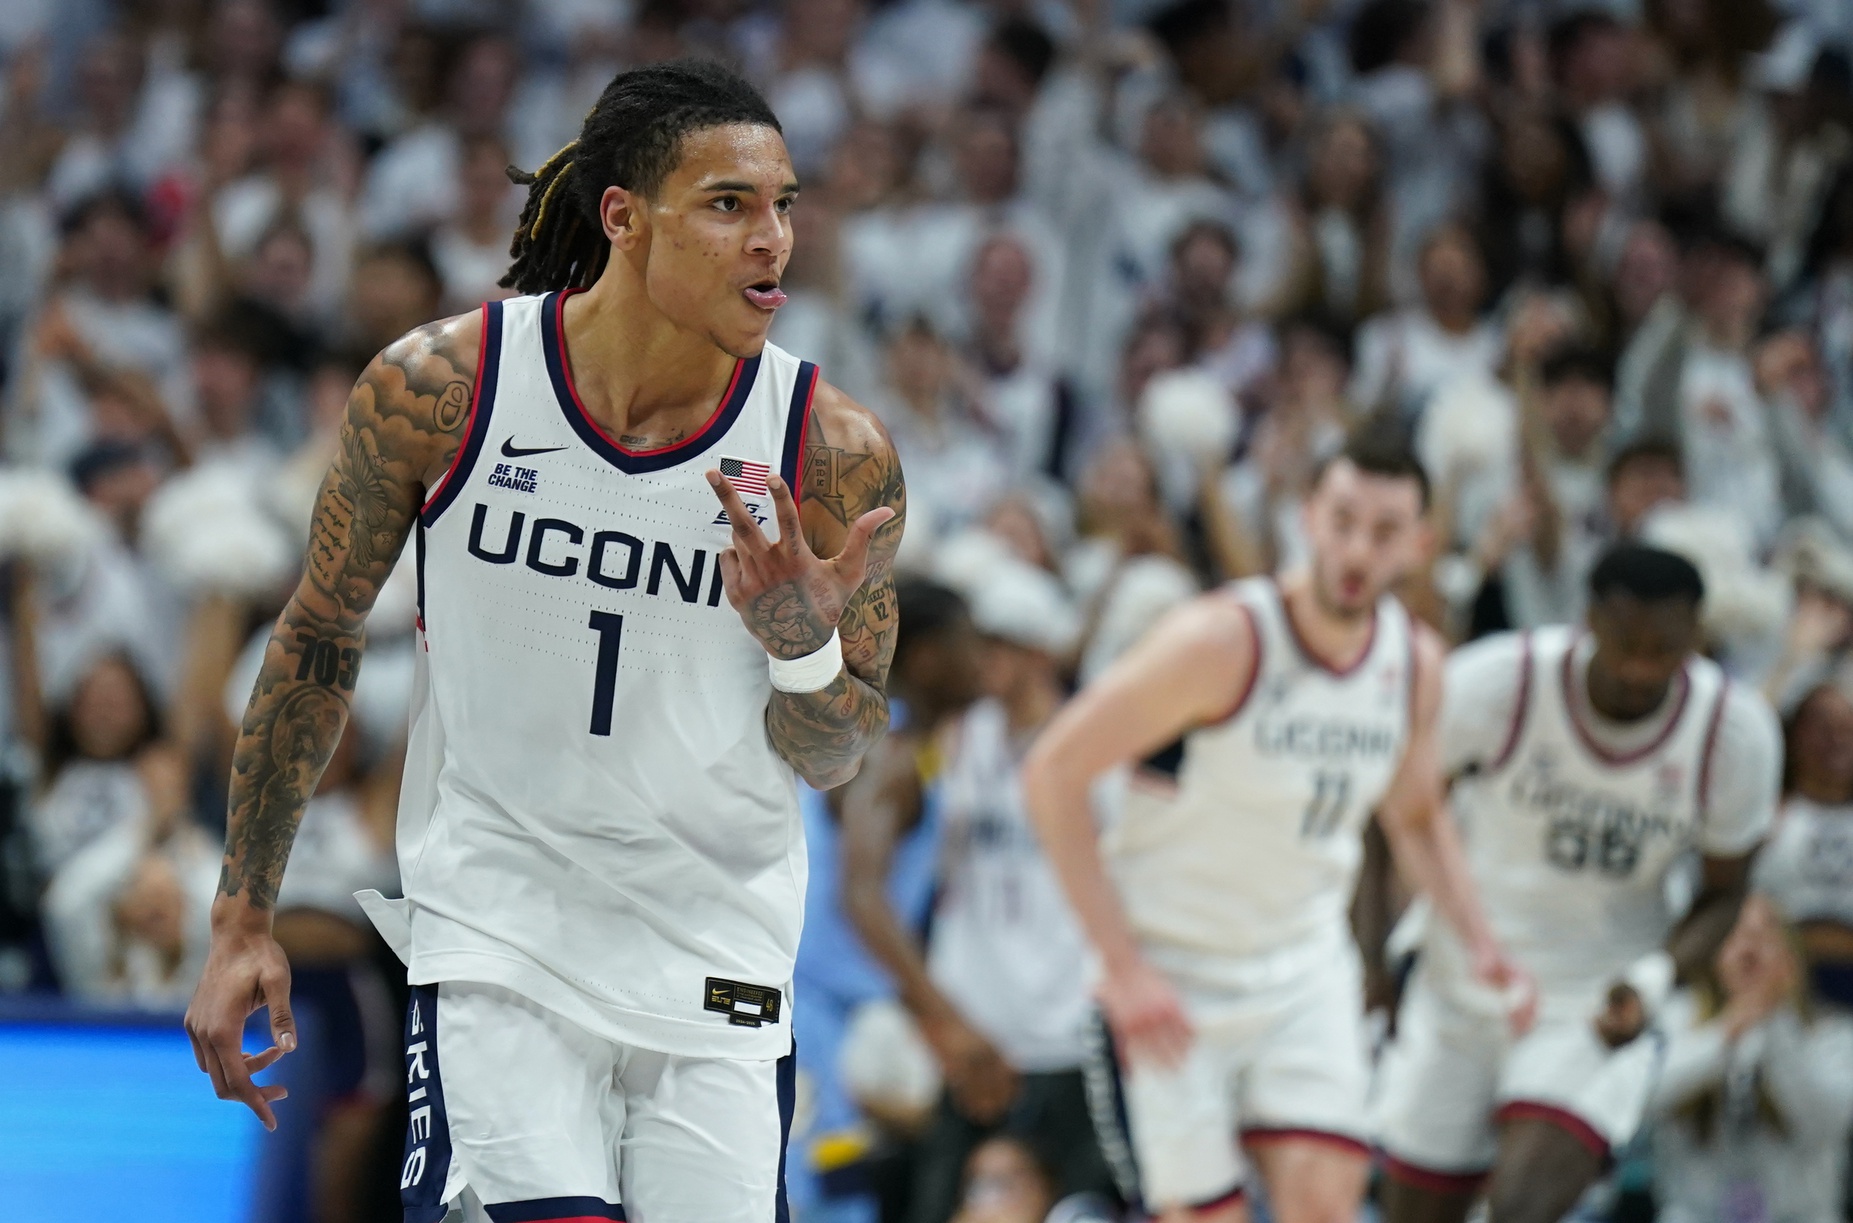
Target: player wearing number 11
1231,984
653,555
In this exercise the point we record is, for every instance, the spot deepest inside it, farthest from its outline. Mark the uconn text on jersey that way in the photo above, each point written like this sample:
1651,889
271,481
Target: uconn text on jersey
614,559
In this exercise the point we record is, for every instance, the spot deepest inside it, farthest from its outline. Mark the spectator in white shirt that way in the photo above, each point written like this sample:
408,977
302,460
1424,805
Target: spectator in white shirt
1405,356
471,249
91,740
101,154
1817,464
1755,1099
411,184
297,182
127,917
957,462
1023,395
1341,263
1724,427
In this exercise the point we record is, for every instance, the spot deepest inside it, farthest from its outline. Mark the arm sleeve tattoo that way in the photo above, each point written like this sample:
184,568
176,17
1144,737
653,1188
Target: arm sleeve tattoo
405,419
850,469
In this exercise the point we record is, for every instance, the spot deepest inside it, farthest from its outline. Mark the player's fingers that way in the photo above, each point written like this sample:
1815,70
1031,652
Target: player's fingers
275,985
852,562
237,1082
199,1051
746,533
731,577
257,1062
791,530
209,1062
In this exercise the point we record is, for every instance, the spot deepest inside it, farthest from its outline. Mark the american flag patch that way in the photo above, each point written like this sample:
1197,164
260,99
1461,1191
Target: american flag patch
748,477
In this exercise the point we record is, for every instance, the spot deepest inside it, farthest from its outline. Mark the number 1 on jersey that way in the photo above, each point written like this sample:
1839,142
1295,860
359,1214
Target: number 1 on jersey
1331,793
610,629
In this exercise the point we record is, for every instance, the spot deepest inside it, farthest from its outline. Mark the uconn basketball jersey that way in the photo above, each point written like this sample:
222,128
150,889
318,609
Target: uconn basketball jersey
592,813
1570,831
1251,861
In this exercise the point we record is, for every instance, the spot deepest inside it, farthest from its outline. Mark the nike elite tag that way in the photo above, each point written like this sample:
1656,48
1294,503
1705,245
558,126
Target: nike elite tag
512,451
746,1006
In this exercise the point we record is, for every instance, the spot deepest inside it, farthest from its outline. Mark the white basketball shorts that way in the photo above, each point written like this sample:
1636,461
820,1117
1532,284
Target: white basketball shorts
1287,1062
1452,1074
519,1116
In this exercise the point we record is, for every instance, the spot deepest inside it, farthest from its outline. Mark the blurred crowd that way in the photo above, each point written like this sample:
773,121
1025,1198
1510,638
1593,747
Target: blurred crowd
1115,273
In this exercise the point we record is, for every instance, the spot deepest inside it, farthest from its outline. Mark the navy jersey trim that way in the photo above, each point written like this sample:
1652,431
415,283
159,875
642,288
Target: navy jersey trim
635,462
427,1138
476,428
788,1106
797,427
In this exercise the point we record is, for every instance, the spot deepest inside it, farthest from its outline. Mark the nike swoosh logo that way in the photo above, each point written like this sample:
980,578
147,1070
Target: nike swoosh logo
510,450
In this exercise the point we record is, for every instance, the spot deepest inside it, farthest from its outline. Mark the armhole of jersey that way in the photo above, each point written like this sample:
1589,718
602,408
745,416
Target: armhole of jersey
1254,674
797,429
1711,742
1521,710
476,425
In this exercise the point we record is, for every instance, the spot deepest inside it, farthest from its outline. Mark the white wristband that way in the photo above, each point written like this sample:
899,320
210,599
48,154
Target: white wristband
1651,979
811,673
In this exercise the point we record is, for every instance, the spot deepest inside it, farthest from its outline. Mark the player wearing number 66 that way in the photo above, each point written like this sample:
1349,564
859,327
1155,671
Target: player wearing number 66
653,555
1591,763
1267,722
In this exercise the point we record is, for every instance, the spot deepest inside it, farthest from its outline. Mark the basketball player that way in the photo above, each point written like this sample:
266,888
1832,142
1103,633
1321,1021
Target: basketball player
598,833
999,989
1231,984
935,675
1587,764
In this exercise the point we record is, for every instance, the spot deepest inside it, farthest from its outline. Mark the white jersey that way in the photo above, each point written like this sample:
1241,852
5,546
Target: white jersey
1807,866
1246,872
1572,823
1005,947
593,815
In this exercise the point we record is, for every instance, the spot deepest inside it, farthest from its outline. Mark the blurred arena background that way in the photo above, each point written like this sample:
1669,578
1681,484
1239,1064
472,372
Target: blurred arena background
1115,273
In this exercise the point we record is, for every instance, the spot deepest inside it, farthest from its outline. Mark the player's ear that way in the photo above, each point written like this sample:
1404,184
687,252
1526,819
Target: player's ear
621,213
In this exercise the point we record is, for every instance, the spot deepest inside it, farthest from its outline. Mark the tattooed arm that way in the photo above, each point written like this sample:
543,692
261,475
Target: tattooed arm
405,420
854,506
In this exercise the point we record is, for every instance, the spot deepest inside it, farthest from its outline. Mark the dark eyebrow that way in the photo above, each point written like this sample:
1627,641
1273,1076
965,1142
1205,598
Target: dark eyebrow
745,188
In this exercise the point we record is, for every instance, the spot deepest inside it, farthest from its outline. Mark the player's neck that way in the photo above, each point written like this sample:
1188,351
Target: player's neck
1337,640
638,374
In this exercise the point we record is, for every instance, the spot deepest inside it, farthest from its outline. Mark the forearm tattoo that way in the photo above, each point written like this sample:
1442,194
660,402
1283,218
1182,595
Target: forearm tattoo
824,734
405,418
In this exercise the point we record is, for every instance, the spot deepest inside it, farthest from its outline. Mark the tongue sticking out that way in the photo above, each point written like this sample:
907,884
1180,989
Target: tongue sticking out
765,299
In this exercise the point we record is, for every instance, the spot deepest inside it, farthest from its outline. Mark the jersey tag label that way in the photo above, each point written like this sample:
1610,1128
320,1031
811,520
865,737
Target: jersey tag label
745,1006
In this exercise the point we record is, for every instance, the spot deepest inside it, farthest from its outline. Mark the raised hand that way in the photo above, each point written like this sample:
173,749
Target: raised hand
982,1083
789,597
1146,1015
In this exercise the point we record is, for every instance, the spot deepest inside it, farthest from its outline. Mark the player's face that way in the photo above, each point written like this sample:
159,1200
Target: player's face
1640,647
716,235
1365,532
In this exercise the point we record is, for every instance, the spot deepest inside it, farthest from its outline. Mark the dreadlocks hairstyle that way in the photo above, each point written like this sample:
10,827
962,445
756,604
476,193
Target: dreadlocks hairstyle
629,140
